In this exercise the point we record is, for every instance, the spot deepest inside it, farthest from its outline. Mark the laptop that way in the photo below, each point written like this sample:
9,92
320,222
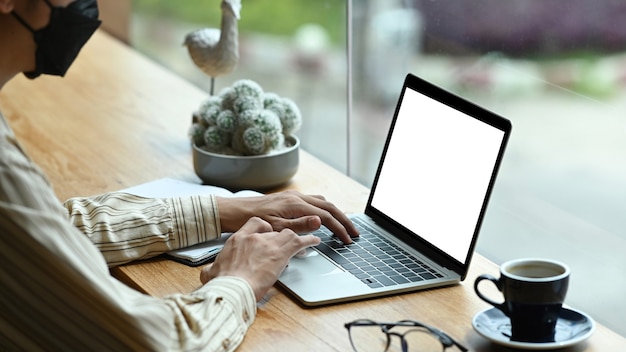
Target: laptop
425,208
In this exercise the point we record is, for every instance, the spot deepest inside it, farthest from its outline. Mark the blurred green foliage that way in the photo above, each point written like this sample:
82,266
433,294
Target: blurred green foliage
276,17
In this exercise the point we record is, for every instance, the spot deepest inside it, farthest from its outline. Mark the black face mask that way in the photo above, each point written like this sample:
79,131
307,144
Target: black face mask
60,41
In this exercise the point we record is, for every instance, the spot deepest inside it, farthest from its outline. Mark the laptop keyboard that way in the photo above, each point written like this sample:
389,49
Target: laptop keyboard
373,259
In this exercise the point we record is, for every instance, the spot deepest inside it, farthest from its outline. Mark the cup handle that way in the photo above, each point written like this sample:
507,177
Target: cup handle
498,284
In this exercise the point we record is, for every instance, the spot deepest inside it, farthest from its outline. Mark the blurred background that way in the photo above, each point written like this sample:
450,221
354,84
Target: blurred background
555,68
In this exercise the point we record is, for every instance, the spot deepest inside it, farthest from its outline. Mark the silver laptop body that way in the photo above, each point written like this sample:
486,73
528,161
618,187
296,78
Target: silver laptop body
427,201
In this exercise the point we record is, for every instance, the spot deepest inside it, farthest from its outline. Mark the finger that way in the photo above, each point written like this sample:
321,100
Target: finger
255,224
303,242
336,213
293,243
303,224
333,218
320,197
306,224
308,241
340,225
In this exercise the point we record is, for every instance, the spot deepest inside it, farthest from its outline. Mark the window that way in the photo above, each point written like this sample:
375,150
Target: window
556,69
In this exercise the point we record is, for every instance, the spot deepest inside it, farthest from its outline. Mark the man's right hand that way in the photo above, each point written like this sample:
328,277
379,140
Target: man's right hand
257,254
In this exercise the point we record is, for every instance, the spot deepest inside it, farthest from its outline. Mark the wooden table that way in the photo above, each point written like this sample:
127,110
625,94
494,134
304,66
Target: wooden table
118,120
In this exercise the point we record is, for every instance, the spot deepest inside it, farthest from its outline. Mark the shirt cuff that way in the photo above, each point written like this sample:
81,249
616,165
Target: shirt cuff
214,317
195,219
237,291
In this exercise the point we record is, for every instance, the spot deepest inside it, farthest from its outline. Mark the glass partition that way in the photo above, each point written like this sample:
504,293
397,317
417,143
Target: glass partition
556,69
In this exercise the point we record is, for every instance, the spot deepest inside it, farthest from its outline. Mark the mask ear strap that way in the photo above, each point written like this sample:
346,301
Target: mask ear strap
21,20
24,23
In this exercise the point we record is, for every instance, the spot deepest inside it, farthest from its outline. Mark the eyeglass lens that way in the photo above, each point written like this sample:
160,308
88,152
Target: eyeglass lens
374,339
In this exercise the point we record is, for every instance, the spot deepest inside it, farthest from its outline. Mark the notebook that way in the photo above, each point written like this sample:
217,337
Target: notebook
202,253
427,202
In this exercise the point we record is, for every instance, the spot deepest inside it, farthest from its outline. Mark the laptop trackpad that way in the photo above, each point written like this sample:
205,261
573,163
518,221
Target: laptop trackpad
311,276
313,264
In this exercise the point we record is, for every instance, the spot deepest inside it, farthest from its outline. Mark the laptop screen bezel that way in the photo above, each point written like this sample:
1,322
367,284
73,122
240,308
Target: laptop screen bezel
414,240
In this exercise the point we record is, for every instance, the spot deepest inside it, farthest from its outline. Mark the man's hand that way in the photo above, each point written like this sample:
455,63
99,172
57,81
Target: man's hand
257,254
286,210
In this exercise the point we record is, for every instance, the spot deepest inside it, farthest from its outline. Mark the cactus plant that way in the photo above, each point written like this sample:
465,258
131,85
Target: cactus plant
244,120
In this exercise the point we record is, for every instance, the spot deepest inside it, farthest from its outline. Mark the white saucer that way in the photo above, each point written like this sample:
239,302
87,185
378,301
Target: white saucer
572,327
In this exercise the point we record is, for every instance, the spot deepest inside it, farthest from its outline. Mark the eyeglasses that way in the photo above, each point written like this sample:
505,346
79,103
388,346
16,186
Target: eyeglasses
370,336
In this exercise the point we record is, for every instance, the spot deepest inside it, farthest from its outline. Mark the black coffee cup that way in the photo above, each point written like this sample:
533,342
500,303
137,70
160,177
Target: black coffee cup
534,291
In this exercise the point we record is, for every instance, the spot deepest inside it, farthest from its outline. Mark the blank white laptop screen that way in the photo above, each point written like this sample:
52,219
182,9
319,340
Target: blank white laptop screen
441,207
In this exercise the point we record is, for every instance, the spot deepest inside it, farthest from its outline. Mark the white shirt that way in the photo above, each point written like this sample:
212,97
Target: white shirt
56,292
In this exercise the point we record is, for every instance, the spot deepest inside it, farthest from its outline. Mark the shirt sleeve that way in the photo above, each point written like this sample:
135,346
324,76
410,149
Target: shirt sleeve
127,227
58,294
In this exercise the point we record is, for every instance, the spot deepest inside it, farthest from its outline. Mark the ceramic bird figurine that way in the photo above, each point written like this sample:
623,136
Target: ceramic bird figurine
215,51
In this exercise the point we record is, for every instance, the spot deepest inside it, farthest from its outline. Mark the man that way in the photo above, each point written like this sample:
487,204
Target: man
56,291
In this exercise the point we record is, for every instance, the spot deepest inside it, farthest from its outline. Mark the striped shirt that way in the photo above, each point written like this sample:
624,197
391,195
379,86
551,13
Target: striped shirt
57,293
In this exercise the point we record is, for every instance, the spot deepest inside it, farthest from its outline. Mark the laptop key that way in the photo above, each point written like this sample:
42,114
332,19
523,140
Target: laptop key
427,276
373,271
399,279
396,265
403,271
361,276
326,250
348,266
384,280
415,278
372,283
